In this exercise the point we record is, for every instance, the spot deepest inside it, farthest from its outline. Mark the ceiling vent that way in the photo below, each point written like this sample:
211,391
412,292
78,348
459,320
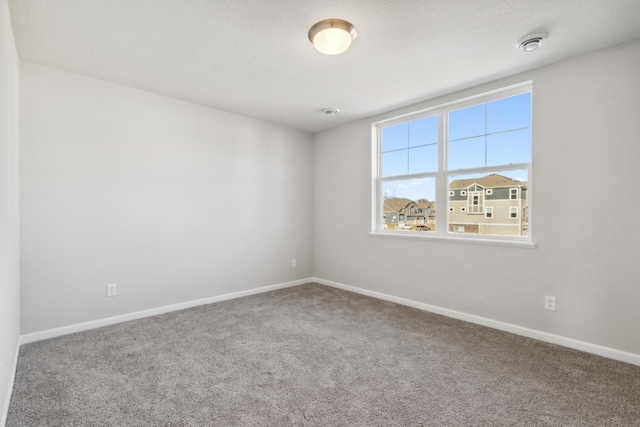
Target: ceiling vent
531,43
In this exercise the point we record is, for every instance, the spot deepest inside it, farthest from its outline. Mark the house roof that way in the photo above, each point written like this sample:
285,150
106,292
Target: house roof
396,204
423,204
490,181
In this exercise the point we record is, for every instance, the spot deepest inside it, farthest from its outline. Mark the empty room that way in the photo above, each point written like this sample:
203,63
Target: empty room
296,213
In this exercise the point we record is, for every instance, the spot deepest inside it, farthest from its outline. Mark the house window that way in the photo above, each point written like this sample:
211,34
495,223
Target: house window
513,212
448,155
476,202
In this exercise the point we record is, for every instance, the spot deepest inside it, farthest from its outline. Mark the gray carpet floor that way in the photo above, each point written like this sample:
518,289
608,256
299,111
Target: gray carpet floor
312,355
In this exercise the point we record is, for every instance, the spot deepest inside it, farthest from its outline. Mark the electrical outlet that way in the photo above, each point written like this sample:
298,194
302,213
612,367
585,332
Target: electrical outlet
549,303
294,263
112,290
0,371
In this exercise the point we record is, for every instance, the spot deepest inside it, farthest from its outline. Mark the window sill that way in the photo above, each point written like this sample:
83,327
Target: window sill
452,239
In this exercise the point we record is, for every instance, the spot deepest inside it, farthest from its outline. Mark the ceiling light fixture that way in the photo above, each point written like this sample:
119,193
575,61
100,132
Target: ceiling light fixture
332,36
532,42
332,112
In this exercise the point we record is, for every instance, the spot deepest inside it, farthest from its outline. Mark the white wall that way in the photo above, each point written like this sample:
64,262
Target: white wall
9,214
172,201
586,130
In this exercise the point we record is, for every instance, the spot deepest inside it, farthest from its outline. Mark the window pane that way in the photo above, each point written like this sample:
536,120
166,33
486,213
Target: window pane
423,159
509,147
467,153
409,205
474,210
423,131
395,137
395,163
509,113
467,122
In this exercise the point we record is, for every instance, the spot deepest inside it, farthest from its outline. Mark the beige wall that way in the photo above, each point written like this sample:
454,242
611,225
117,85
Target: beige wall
585,129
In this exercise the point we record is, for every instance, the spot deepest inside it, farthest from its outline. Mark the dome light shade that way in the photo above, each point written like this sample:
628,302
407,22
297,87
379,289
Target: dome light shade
332,36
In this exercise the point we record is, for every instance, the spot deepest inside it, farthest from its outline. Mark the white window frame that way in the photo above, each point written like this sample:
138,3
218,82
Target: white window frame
489,192
488,210
441,232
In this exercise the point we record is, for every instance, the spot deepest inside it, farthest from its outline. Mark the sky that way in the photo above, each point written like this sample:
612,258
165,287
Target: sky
484,135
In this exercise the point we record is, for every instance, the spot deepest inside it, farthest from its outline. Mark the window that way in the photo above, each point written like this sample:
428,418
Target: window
475,200
465,159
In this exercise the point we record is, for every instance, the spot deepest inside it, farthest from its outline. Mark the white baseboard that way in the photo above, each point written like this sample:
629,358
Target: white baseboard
610,353
14,367
64,330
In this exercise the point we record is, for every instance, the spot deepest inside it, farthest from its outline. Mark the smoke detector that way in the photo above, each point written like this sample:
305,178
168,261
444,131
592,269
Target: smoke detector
532,42
332,112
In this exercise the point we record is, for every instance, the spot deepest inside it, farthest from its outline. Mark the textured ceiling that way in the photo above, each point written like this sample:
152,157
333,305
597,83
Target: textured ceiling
253,57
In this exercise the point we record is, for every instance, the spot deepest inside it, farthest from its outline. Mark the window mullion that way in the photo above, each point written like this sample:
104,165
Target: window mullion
442,195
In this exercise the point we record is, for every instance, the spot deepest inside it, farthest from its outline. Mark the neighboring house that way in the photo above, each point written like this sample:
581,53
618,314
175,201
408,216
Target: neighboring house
407,214
493,204
428,209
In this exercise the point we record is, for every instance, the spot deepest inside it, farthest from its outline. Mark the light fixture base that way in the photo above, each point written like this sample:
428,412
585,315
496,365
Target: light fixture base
332,36
331,112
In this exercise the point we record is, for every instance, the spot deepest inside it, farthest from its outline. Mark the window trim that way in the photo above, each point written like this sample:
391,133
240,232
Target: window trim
513,209
488,210
441,232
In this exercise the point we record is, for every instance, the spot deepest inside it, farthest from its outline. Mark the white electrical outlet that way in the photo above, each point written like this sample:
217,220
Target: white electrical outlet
549,302
294,263
112,290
